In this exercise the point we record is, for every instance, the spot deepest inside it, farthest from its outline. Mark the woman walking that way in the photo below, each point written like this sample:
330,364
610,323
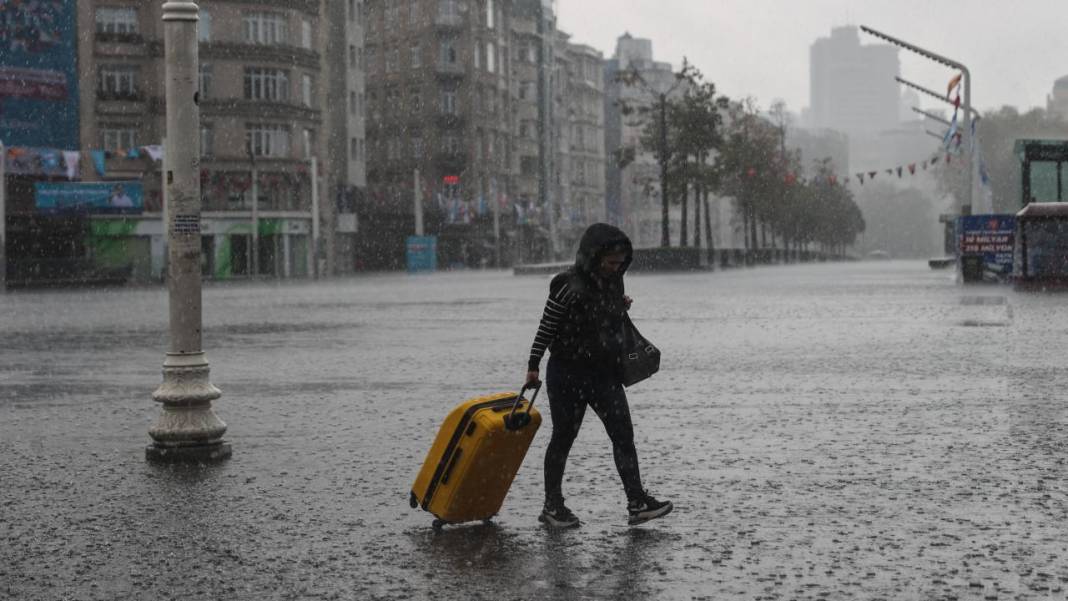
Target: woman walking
582,328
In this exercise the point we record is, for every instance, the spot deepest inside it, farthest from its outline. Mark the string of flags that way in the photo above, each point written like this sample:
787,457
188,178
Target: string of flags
26,160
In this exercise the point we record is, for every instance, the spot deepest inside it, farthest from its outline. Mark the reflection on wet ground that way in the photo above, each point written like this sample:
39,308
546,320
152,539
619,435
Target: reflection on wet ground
830,431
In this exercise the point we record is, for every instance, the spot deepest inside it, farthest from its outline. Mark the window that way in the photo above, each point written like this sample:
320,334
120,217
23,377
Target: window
415,56
266,28
207,139
354,149
491,57
448,52
418,148
392,14
393,60
489,14
360,103
307,90
448,8
413,13
352,103
478,55
359,154
451,144
204,26
118,81
205,80
352,55
372,58
448,102
266,84
417,99
115,137
120,20
309,143
353,11
119,138
267,140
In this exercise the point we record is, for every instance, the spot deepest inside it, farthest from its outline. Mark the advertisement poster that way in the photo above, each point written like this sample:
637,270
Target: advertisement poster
989,237
90,197
38,74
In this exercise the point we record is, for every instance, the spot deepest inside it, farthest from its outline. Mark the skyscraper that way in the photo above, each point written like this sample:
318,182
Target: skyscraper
852,85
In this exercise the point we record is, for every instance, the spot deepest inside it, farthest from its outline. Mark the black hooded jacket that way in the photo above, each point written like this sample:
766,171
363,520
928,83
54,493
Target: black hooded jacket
583,318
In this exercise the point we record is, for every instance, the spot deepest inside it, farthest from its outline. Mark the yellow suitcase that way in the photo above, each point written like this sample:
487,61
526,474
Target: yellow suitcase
475,457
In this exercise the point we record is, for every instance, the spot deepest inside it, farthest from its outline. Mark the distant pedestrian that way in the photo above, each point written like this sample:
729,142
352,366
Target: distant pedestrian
582,328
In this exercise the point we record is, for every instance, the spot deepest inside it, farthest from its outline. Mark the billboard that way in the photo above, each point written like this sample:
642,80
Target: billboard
90,197
989,239
38,73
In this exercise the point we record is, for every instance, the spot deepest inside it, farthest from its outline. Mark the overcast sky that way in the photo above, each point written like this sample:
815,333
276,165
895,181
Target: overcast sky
1015,49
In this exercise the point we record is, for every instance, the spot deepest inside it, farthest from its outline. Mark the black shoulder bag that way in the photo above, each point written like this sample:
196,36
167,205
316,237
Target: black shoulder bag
640,359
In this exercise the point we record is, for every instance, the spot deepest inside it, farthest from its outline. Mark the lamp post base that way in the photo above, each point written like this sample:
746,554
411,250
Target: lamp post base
187,429
201,453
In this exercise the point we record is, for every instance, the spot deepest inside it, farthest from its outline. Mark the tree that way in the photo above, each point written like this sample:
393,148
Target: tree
997,133
654,112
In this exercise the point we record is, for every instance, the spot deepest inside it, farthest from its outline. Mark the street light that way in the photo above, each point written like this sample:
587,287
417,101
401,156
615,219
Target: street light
187,429
973,176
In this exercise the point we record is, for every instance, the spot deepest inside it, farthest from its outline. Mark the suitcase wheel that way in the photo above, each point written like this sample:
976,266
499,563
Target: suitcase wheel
438,524
413,500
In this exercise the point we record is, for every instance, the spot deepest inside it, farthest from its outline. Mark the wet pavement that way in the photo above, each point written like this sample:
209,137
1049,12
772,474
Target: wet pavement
833,431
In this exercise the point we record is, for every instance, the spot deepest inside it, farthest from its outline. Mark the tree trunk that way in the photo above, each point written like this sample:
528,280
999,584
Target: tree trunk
708,233
697,216
683,233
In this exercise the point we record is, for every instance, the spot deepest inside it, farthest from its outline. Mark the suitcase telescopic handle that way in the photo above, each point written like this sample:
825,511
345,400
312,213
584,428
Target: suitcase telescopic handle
516,420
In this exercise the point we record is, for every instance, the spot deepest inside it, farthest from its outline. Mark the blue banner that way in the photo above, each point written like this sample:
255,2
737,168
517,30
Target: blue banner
38,73
90,197
422,253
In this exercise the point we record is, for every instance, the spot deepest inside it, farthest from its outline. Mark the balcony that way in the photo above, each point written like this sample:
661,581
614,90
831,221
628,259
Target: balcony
451,161
447,21
116,96
450,70
119,38
450,121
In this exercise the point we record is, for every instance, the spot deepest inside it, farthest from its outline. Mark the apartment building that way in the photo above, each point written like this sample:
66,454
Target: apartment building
272,76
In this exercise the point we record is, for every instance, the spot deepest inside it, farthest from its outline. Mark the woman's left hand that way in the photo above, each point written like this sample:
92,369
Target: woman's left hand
628,301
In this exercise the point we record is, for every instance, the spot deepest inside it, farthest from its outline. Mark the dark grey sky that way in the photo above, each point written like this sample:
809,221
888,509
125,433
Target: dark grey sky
1015,49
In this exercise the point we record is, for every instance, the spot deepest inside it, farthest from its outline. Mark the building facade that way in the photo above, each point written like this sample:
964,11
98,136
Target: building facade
582,149
632,173
439,128
267,72
1057,101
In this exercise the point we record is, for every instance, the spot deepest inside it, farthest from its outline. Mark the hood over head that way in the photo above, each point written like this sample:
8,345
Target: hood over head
599,240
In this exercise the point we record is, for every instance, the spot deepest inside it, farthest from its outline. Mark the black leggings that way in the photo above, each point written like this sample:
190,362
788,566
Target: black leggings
571,388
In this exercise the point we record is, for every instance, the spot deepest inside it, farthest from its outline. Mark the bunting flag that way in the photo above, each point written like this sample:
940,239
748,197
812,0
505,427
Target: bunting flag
889,171
954,82
790,179
934,160
860,178
872,174
912,168
72,159
899,172
98,162
833,179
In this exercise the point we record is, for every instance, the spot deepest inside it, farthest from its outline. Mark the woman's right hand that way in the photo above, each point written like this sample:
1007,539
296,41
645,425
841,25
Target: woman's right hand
532,376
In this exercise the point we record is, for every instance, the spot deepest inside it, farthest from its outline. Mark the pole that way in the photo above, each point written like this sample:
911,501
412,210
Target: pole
254,253
496,224
974,172
3,218
164,222
665,236
187,429
417,204
315,213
